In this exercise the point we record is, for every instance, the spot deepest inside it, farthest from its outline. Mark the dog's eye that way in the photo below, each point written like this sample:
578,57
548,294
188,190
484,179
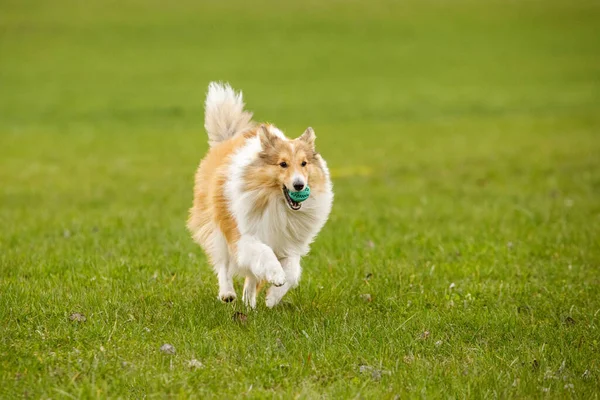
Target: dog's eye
283,164
303,163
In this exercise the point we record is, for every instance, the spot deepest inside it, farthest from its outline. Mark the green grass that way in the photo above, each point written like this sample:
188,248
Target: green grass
464,139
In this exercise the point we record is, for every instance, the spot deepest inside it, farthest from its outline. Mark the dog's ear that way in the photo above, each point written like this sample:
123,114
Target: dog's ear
267,139
308,137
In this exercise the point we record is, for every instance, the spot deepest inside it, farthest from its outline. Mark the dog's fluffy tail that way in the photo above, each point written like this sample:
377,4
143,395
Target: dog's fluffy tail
224,113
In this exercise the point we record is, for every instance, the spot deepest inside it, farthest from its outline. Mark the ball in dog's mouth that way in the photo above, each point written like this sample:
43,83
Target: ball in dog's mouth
293,204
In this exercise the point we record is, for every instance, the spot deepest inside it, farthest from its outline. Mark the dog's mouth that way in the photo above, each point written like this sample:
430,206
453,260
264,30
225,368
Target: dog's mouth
293,204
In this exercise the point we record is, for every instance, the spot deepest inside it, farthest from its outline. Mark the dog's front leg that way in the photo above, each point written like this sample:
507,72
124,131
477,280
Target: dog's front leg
293,270
259,259
225,276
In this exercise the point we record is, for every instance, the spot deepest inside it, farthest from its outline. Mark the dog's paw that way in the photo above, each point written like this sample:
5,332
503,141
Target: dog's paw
272,300
227,297
276,276
249,300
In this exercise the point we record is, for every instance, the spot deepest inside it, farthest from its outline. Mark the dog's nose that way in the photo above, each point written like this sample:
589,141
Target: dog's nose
298,185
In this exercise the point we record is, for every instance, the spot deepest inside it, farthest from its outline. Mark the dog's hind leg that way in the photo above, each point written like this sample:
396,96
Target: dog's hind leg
249,296
293,270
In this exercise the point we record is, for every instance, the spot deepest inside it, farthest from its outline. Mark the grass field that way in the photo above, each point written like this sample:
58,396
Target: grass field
464,141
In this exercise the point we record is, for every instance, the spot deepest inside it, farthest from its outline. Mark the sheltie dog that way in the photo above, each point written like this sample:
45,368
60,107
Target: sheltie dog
243,216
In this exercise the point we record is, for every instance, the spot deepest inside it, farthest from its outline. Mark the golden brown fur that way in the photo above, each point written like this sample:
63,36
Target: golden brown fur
210,204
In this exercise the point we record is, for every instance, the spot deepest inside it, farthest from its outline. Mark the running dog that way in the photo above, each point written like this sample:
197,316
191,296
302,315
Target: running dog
243,215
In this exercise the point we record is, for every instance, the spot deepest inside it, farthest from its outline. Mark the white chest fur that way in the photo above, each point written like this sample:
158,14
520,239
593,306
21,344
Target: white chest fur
286,231
290,232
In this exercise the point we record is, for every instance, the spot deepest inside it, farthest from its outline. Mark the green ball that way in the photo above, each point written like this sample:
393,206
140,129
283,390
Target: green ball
300,196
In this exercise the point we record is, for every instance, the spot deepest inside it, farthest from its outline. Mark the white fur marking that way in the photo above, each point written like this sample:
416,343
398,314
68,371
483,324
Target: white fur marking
224,113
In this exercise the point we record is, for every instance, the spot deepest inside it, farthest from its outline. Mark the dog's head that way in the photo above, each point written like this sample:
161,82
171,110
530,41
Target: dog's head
285,165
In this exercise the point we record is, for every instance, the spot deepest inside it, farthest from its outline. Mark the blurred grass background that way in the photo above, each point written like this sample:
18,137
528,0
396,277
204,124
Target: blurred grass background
463,141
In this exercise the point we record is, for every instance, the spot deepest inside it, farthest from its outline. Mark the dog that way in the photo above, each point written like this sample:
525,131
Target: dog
243,215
